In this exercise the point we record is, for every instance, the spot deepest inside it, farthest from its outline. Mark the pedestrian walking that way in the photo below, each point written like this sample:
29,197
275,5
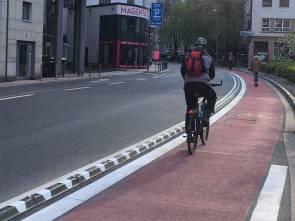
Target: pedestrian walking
230,61
256,68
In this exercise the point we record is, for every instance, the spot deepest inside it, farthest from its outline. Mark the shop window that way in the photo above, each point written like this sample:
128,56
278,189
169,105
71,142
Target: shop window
27,11
266,3
137,29
123,24
284,3
282,25
131,24
265,24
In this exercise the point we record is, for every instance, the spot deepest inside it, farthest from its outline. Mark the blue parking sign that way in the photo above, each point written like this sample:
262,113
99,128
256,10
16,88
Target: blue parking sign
157,14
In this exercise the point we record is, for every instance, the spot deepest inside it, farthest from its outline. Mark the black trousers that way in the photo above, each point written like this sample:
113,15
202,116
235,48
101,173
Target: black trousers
202,88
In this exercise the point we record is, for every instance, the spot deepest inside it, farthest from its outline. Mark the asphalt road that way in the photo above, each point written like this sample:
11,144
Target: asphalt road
66,125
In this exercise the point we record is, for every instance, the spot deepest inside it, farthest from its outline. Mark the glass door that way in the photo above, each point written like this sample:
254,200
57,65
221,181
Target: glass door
26,61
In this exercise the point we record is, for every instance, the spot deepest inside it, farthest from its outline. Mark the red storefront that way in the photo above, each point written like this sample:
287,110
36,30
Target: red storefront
123,37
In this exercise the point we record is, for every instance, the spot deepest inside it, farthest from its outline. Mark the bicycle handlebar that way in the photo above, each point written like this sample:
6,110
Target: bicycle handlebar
216,85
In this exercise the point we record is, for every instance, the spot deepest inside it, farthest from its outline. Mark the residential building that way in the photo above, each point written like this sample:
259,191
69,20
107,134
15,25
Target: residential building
23,57
117,33
271,20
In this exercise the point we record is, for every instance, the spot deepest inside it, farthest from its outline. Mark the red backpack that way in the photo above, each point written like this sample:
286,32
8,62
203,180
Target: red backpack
194,64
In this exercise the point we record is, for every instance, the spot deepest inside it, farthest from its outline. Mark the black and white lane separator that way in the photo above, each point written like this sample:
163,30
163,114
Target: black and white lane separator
101,168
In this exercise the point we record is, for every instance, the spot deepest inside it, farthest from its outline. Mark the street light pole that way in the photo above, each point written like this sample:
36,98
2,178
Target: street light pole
6,49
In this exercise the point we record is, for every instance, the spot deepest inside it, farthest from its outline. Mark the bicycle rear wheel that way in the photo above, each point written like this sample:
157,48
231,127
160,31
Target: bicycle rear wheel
192,137
207,133
192,143
202,135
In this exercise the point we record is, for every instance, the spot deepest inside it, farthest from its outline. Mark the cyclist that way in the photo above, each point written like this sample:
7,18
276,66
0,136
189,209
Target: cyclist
199,84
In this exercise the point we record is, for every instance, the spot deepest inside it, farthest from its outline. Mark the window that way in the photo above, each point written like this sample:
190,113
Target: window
69,4
27,11
130,2
286,25
124,23
282,25
266,3
104,2
265,24
284,3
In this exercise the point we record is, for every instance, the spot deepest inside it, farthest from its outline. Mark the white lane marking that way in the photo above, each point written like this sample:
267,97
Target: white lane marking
115,83
268,204
77,88
15,97
101,80
140,79
77,198
235,101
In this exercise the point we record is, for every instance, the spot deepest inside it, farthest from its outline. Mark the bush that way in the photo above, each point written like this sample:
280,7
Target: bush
282,68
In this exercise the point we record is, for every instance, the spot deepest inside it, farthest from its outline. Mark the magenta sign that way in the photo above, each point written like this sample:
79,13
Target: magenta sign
133,11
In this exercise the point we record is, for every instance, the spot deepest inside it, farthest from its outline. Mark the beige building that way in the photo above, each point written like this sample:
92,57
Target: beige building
25,35
271,20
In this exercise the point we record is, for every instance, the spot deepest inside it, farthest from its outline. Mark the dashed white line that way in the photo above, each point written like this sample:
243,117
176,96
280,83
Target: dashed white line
115,83
15,97
77,88
101,80
140,79
268,204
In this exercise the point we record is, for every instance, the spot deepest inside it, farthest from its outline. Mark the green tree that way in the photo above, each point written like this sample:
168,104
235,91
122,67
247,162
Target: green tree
188,19
289,40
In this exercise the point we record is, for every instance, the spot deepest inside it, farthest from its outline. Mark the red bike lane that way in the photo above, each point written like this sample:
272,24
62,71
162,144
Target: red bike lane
219,182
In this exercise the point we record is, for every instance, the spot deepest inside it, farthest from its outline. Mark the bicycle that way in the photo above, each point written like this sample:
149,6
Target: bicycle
195,123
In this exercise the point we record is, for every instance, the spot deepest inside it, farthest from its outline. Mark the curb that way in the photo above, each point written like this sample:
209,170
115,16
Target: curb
29,202
62,79
284,91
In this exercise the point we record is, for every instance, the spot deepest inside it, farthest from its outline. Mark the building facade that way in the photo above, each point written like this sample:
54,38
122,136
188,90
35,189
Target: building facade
271,20
23,57
117,33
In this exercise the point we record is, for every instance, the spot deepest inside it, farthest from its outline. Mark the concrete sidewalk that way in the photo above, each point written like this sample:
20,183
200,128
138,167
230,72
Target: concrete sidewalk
152,70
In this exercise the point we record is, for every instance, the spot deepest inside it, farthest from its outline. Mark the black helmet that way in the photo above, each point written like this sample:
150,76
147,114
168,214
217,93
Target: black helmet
200,42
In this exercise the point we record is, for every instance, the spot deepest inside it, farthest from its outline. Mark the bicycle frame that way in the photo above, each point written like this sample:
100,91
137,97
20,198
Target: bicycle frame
195,127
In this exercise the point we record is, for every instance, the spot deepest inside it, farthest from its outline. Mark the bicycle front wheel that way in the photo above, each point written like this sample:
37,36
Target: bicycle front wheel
192,143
